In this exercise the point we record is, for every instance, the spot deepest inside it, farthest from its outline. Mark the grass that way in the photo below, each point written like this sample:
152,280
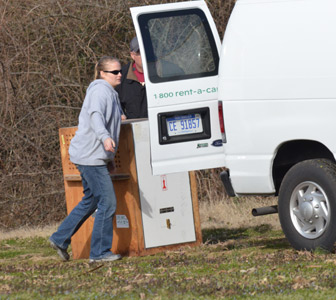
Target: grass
243,263
234,262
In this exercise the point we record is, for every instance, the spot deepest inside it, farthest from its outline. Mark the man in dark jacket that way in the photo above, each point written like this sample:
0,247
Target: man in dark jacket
132,90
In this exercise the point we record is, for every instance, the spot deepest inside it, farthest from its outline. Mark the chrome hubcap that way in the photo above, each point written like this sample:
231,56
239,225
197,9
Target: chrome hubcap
309,210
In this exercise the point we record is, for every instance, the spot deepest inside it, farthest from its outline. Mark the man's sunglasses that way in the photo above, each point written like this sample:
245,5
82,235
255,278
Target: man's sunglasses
114,72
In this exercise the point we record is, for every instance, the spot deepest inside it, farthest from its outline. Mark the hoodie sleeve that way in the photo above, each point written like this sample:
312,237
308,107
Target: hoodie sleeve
97,112
98,125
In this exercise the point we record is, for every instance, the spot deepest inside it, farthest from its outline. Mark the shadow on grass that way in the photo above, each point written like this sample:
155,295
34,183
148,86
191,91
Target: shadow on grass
257,236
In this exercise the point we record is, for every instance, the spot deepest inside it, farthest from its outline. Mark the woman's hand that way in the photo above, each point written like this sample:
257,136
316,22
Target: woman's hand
109,145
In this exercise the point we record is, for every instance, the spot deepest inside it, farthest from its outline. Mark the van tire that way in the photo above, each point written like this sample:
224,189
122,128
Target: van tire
307,205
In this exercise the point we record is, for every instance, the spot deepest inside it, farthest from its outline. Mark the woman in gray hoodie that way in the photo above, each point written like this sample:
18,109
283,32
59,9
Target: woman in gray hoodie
91,149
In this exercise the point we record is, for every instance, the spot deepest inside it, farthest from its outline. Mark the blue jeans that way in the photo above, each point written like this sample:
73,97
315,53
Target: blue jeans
98,194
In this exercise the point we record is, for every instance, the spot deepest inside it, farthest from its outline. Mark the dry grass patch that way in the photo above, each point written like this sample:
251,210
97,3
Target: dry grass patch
223,212
236,213
26,232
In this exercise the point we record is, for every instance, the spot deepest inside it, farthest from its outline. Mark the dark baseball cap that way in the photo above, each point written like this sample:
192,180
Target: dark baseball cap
134,45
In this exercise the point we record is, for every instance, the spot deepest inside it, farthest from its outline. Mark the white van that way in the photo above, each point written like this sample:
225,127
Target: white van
261,103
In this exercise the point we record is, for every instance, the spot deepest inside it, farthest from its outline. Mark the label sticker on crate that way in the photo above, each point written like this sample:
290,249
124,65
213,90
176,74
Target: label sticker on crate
164,183
122,221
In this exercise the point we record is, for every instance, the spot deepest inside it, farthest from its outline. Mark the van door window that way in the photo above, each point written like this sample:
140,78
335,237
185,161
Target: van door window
178,45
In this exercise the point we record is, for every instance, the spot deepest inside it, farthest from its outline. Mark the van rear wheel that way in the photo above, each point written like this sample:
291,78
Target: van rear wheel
307,205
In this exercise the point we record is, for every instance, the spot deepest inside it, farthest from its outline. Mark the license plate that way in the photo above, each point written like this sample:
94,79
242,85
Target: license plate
186,124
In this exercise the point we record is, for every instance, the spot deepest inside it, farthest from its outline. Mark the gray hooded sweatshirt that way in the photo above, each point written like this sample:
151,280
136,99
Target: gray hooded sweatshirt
100,118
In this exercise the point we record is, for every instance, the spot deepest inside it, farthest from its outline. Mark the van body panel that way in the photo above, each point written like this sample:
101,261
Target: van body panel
179,46
176,157
277,83
279,50
256,129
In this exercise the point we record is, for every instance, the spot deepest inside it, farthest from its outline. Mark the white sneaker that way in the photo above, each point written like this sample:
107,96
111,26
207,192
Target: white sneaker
108,257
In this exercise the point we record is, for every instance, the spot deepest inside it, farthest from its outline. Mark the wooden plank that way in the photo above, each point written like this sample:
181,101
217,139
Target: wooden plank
65,136
80,242
126,240
73,177
194,196
120,176
113,177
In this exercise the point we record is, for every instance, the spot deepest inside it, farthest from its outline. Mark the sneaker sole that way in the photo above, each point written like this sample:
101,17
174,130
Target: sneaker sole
104,259
59,251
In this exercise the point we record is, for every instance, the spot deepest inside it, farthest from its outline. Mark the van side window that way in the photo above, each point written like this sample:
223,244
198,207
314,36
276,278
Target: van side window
178,45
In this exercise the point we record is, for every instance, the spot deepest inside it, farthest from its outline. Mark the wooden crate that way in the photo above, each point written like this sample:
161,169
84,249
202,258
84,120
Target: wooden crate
126,241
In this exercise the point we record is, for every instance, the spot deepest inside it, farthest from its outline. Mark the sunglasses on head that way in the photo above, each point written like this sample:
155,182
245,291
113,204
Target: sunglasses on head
114,72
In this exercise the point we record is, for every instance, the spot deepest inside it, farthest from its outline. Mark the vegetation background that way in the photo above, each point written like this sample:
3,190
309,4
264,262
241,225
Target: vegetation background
48,50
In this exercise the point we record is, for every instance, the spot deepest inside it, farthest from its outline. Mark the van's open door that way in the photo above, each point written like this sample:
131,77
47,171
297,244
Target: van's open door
179,46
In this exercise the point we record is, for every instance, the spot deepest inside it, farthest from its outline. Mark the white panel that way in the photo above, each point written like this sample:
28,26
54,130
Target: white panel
164,192
182,95
191,155
256,129
182,91
277,79
279,50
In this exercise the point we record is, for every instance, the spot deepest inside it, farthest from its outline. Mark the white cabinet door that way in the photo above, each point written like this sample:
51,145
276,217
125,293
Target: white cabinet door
179,46
166,202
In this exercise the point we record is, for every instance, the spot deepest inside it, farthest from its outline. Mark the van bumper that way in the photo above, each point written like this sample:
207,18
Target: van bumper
225,177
